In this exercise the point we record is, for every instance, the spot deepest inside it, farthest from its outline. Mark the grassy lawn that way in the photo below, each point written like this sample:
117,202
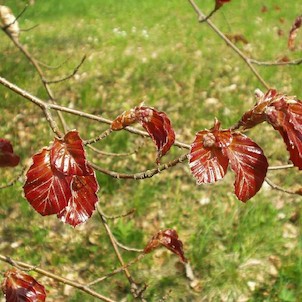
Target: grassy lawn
156,52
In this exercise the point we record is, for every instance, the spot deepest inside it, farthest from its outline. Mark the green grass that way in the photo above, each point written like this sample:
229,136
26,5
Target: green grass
156,52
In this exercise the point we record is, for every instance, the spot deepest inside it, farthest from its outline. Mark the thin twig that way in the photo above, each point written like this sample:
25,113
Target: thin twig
278,188
12,182
281,167
75,284
128,248
268,63
120,215
16,19
100,137
135,290
116,271
141,175
30,28
97,118
201,16
69,76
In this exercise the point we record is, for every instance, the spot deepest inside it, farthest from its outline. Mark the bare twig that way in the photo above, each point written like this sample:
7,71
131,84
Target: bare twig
16,19
75,284
293,62
120,215
281,167
141,175
100,137
97,118
247,60
30,28
116,271
12,182
128,248
69,76
278,188
135,290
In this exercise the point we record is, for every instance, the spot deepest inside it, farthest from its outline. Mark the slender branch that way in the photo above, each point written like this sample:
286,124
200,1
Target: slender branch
278,188
100,137
97,118
281,167
35,64
16,18
30,28
135,290
293,62
128,248
53,276
201,17
141,175
69,76
12,182
118,270
120,215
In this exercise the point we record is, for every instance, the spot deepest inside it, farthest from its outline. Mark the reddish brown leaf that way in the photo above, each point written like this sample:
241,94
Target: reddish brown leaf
46,189
156,123
158,126
21,287
207,162
7,156
169,239
293,32
55,182
249,164
83,200
127,118
68,155
219,3
285,115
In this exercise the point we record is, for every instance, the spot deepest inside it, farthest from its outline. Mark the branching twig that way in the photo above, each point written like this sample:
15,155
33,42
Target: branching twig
75,284
119,216
16,19
141,175
69,76
100,137
293,62
247,60
278,188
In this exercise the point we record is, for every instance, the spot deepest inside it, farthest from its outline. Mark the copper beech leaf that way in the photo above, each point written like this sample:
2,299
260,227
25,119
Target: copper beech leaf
169,239
55,188
207,162
156,123
293,32
68,155
249,164
46,189
219,3
7,156
212,151
21,287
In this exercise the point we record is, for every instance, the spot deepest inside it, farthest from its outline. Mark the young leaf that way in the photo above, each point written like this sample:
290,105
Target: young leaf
169,239
83,200
156,123
249,164
21,287
7,156
207,162
46,189
293,32
68,155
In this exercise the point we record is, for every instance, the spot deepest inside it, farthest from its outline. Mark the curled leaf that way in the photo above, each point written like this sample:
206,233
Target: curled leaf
169,239
156,123
219,3
7,156
19,286
8,21
293,32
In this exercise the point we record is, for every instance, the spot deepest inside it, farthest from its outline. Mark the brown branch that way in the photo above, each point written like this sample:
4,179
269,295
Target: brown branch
116,271
247,60
293,62
120,215
278,188
12,182
16,18
135,290
99,138
281,167
97,118
141,175
69,76
75,284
